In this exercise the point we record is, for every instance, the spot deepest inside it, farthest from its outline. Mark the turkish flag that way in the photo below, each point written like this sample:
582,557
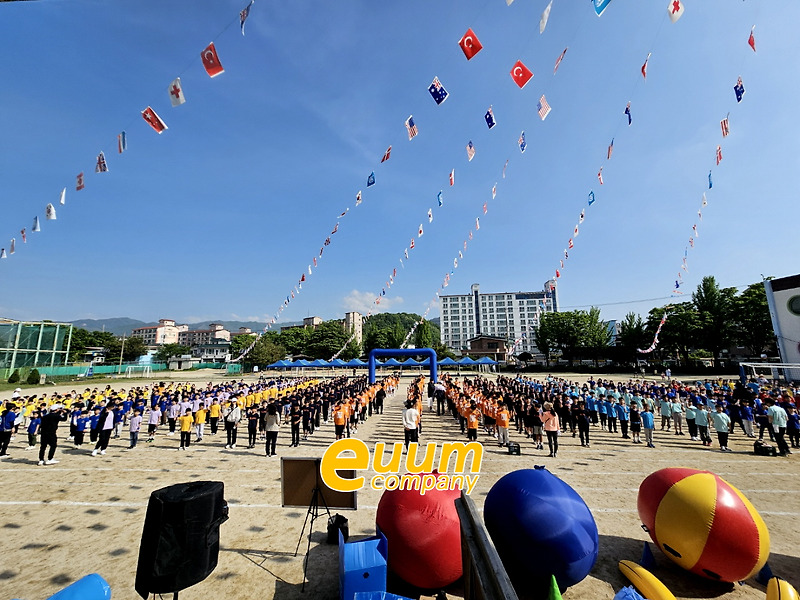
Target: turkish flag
521,74
211,61
154,120
470,45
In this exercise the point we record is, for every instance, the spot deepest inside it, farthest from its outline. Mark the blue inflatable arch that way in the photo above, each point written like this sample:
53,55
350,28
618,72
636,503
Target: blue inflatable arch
429,352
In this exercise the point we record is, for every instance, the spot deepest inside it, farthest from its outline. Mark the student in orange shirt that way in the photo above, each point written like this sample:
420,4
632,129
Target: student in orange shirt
473,420
502,419
551,427
339,420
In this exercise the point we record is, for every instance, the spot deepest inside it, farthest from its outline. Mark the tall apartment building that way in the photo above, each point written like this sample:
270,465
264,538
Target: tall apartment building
215,333
509,315
166,332
354,323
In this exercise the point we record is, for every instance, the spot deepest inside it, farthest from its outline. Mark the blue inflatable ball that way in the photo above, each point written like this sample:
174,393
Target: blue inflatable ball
540,527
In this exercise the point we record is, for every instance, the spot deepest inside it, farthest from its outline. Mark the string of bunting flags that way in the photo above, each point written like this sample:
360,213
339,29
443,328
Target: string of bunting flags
213,67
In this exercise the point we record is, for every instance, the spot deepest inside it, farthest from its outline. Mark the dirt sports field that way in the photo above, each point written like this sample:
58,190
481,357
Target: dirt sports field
85,514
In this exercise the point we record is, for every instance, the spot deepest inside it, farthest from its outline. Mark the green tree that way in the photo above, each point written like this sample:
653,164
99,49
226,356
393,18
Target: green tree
265,352
632,336
81,339
753,322
14,377
327,339
714,313
565,331
167,351
295,339
423,336
134,348
33,377
679,333
597,335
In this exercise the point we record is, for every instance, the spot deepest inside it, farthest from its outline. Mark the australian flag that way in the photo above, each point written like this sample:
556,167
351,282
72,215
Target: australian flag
739,90
489,116
437,91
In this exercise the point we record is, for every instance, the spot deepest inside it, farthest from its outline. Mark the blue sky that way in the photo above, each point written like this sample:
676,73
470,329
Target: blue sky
219,216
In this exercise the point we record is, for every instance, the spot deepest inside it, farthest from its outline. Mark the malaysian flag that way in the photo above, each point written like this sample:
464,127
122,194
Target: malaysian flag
559,59
470,151
543,107
411,127
725,126
101,166
522,145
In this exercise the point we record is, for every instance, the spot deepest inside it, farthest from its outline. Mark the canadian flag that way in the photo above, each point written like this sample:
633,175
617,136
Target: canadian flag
211,61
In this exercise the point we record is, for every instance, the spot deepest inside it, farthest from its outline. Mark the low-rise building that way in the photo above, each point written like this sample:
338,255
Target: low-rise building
199,337
166,332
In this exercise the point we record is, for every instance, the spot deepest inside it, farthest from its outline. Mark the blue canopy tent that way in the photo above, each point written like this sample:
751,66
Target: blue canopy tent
410,362
392,362
300,363
354,362
485,360
447,362
426,362
337,362
280,364
319,363
466,362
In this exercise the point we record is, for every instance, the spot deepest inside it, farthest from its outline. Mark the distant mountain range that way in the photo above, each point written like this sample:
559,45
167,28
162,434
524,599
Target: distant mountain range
124,325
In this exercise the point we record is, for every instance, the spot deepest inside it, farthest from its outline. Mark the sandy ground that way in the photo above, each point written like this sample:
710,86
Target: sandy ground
85,514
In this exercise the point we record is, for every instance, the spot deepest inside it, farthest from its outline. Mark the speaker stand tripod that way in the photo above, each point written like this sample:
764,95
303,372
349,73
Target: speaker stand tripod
314,512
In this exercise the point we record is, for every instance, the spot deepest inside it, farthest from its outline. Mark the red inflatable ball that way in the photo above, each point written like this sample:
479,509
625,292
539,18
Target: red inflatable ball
424,536
704,524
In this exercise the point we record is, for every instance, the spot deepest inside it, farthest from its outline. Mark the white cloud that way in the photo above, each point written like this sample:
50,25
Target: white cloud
364,302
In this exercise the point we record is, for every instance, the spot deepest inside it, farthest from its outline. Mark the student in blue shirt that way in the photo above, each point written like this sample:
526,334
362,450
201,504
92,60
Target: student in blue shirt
793,426
622,414
94,420
746,412
611,409
80,428
7,419
648,424
601,409
33,429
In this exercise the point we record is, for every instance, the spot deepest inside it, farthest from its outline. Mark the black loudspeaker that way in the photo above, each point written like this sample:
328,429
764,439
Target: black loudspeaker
180,539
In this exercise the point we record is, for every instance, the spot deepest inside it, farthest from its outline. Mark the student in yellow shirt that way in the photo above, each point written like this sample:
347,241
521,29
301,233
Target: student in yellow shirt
214,412
185,422
200,422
